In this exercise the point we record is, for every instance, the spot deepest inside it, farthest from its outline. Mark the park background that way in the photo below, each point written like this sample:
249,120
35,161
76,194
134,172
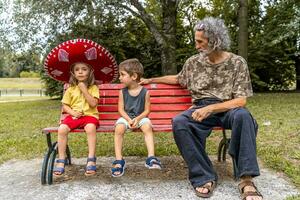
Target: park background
160,34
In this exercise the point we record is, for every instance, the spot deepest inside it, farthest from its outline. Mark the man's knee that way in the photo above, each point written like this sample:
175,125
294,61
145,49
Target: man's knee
179,120
242,114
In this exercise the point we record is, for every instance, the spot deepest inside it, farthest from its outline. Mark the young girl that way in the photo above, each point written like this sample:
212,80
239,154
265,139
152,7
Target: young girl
80,103
134,107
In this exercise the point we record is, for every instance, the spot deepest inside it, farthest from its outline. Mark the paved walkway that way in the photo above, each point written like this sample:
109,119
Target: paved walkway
21,180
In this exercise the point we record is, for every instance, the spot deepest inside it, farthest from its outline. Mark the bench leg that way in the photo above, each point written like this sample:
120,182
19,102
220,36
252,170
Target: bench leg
68,155
222,150
51,163
46,159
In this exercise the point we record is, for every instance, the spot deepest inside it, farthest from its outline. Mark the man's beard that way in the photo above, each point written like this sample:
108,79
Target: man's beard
206,52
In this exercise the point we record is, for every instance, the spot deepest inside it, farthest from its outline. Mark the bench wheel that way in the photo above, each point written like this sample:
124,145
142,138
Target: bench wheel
44,167
51,163
222,149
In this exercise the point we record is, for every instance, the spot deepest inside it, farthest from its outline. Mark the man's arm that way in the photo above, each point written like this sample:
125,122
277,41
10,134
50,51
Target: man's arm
204,112
169,79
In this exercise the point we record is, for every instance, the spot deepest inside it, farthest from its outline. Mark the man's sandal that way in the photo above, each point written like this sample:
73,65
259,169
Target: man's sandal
243,184
153,163
116,169
90,170
58,171
210,189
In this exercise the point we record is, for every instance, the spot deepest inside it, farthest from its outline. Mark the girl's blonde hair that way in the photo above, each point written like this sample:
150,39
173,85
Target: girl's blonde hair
91,79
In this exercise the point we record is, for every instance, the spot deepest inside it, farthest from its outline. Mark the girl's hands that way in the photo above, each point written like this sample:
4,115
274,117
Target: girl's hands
77,114
82,86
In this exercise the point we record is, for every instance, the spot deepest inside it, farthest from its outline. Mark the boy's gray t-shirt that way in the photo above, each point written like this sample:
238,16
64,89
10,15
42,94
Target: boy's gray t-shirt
134,105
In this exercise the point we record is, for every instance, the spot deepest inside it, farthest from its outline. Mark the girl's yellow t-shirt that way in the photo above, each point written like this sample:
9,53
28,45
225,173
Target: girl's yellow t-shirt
74,98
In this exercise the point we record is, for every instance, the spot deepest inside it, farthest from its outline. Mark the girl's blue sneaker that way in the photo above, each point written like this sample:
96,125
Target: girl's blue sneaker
90,170
58,171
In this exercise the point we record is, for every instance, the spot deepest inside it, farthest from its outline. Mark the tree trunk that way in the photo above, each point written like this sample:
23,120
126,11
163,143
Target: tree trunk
168,49
243,29
164,36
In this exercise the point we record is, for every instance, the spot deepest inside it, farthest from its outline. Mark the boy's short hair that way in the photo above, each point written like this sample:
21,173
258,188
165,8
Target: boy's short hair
132,66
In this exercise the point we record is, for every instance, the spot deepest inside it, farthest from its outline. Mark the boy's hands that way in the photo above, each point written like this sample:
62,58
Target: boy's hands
132,123
135,123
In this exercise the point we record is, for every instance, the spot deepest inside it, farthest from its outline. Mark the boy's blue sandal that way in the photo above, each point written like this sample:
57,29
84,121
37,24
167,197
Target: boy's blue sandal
153,162
90,169
58,171
115,169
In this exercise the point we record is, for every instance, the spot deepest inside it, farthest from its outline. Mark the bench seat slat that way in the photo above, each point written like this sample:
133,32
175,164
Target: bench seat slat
160,93
154,107
166,100
151,86
156,128
152,115
154,121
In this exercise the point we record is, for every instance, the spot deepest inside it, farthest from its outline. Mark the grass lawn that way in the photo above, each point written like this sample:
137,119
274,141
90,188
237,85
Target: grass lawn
278,116
20,83
22,98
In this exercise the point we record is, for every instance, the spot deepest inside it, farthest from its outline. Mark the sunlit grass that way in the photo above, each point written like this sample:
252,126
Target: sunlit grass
20,83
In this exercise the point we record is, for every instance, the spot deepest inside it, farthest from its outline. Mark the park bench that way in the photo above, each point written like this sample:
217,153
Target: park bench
166,102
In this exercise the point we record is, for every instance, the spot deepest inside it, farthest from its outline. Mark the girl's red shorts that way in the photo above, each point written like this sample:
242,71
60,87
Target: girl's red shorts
74,123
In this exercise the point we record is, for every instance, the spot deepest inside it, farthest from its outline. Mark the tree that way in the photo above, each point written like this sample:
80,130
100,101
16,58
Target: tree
164,36
243,29
275,47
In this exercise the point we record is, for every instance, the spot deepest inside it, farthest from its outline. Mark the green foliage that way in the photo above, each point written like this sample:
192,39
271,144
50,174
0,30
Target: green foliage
29,74
273,35
53,88
294,197
270,56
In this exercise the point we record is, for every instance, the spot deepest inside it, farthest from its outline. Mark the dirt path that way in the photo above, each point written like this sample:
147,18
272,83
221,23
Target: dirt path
20,179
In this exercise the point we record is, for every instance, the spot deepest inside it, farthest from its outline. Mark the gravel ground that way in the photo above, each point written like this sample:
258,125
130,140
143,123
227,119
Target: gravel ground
20,179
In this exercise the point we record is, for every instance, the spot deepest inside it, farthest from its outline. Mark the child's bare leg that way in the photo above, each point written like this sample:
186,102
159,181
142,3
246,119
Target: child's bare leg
90,130
149,138
119,135
62,140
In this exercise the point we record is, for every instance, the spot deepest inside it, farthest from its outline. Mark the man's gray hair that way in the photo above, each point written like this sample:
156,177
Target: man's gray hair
216,32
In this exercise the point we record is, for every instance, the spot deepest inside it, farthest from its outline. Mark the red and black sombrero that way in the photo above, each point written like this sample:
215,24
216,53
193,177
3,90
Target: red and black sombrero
59,60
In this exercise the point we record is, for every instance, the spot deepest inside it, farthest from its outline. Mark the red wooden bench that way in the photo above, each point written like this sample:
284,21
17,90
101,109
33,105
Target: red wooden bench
166,102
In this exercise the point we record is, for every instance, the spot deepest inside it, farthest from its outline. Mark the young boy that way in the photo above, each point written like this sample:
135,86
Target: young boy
134,107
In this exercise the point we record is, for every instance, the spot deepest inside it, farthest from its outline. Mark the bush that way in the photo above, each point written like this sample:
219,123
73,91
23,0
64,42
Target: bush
30,74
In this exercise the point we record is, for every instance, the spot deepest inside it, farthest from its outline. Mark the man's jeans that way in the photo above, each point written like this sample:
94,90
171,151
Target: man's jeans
190,137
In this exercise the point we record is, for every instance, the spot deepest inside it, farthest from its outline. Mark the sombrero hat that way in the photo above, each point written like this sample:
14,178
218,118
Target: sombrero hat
59,60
